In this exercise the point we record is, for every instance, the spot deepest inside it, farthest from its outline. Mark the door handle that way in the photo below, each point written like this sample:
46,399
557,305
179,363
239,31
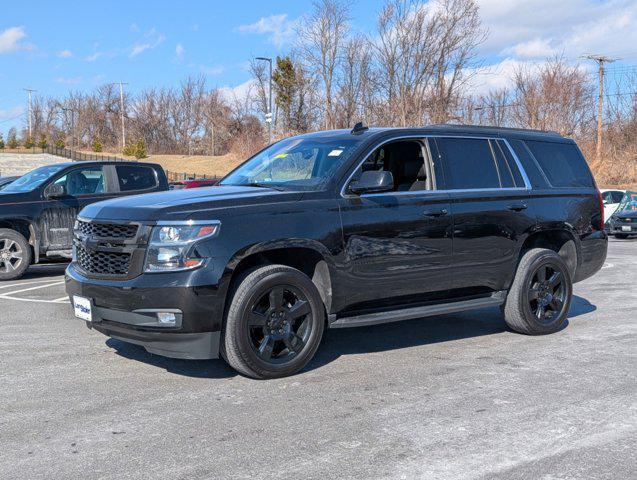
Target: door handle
435,213
518,207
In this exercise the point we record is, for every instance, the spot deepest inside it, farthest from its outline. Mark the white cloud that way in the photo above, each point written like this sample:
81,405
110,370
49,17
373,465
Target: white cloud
65,54
238,93
94,56
542,28
152,40
10,40
279,29
179,51
69,80
11,113
214,70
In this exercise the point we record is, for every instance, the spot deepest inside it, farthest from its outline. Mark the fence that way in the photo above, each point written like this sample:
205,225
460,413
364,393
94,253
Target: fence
179,176
81,156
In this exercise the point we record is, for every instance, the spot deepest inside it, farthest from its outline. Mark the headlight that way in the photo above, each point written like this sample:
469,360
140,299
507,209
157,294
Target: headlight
171,247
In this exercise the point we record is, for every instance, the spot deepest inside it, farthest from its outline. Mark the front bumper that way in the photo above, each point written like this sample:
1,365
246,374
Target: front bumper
622,228
125,310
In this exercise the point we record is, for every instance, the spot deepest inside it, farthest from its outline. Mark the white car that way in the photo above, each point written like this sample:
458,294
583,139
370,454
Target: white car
612,198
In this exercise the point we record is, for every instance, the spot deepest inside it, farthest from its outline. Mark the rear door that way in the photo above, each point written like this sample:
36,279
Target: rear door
491,210
83,185
133,179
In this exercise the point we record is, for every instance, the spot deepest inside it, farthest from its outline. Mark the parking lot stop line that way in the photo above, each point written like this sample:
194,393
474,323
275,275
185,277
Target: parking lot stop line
32,288
26,283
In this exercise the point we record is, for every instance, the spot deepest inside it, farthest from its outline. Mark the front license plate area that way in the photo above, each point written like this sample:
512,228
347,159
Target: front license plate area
626,228
82,308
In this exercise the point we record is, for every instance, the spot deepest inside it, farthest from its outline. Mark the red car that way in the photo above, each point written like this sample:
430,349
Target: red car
191,184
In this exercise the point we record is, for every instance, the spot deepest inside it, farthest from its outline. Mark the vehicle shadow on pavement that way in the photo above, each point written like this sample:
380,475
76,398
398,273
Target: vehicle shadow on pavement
423,331
346,341
45,270
189,368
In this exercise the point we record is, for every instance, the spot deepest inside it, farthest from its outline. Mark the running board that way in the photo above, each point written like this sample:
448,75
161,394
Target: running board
495,300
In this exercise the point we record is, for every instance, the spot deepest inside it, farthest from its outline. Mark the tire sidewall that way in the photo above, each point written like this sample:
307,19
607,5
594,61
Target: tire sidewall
550,259
26,248
256,291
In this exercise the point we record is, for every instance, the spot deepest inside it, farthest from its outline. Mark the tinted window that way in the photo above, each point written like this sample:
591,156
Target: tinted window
528,164
83,181
562,163
469,163
511,163
135,177
617,196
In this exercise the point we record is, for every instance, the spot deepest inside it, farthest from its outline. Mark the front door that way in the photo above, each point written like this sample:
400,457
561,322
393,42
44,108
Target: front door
83,185
397,245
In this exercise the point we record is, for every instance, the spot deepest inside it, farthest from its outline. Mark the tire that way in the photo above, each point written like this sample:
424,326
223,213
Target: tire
274,323
621,236
538,303
15,254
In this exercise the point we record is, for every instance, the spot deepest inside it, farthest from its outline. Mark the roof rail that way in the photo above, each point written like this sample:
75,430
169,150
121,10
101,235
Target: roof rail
487,127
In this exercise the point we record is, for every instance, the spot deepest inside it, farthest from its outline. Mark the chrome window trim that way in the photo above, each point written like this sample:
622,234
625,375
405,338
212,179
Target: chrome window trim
426,137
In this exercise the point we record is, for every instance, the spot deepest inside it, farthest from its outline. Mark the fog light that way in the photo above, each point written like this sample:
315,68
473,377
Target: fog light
166,318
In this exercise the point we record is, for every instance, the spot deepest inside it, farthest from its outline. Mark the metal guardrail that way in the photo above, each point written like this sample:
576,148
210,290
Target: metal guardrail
81,156
179,176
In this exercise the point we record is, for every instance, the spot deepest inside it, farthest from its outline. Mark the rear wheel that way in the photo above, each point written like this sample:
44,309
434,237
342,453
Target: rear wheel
274,323
15,254
540,296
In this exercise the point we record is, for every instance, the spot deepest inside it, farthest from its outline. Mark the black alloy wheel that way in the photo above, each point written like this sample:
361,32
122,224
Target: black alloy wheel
547,293
278,324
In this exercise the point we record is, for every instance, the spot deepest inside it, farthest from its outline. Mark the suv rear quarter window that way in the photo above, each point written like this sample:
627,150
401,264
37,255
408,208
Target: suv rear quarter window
135,177
562,163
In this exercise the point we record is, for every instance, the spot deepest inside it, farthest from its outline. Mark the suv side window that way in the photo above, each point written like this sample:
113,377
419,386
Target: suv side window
83,181
135,177
469,163
562,163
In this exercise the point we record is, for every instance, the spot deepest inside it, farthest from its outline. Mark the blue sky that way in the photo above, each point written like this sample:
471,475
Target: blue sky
59,46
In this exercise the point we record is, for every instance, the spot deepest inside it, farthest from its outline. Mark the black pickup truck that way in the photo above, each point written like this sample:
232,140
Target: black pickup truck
38,210
339,229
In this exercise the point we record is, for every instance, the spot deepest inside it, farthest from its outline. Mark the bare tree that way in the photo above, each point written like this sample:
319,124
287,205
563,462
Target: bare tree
321,36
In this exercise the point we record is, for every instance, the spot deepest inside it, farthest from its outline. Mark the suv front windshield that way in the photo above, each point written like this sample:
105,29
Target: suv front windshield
33,179
295,163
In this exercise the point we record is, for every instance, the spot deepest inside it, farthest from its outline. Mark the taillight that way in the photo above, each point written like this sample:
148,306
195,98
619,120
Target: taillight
601,209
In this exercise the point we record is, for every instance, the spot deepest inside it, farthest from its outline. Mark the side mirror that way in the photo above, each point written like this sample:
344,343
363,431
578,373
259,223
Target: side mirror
56,190
373,181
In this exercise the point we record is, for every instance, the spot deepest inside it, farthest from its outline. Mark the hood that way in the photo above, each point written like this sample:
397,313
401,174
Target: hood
626,214
183,204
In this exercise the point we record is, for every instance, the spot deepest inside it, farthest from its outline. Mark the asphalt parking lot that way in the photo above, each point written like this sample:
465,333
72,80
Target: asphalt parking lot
456,397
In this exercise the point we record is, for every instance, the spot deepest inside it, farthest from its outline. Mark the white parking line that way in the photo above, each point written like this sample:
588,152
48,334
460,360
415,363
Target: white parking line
28,283
35,300
31,288
64,299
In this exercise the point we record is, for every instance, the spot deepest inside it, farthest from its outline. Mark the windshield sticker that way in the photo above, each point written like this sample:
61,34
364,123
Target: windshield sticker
280,155
335,153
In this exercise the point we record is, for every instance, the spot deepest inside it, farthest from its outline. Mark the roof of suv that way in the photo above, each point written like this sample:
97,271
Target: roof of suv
106,162
446,129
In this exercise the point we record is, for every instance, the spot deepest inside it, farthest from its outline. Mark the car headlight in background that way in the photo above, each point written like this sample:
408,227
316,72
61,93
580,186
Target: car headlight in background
171,246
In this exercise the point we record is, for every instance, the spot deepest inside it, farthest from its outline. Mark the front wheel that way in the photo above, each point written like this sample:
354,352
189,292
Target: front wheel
15,254
540,295
274,323
621,236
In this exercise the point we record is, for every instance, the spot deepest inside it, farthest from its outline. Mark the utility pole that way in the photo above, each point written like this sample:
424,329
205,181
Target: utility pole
601,60
30,91
72,110
121,109
268,115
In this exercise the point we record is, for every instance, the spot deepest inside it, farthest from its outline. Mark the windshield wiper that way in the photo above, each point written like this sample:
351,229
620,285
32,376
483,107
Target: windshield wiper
263,185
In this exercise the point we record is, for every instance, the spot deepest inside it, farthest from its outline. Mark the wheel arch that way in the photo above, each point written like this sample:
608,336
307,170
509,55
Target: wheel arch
560,240
308,256
28,230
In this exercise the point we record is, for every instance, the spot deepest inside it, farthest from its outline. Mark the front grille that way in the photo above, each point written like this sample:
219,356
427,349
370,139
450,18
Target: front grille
107,230
102,263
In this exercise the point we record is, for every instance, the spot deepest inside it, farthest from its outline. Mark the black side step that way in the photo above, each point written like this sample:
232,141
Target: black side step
495,300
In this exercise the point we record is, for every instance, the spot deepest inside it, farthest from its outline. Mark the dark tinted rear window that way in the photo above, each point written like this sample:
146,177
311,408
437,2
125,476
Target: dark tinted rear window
469,163
562,163
135,177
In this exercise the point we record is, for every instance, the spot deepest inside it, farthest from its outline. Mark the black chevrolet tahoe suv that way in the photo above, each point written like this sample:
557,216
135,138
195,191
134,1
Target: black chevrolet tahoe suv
38,210
340,229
